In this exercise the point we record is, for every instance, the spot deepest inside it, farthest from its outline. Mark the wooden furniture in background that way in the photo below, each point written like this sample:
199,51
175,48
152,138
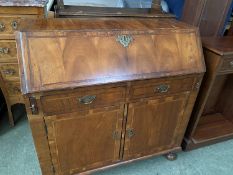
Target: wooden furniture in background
212,118
72,11
208,15
11,12
90,106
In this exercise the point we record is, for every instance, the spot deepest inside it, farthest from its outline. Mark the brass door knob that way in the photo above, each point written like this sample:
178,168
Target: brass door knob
130,133
116,135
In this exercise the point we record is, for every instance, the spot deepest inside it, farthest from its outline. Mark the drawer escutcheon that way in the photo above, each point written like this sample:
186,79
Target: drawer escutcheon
87,99
124,40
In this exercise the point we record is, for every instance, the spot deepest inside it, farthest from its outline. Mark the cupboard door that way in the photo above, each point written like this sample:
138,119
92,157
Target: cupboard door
80,141
154,125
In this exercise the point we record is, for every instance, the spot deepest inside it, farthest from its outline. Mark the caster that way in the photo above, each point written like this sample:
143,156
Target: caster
171,156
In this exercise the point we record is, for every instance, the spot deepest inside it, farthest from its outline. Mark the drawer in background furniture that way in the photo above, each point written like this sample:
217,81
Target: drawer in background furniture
81,100
9,24
227,65
143,89
10,71
13,88
8,51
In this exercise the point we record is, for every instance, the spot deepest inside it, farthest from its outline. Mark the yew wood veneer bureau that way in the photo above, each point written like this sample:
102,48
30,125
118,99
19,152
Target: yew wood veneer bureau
110,91
11,14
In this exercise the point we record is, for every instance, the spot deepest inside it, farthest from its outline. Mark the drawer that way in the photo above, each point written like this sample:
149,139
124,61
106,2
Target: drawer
81,100
9,24
13,88
143,89
227,65
10,71
8,51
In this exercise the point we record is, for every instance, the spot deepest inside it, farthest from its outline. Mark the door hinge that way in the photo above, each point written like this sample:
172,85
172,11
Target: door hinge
33,106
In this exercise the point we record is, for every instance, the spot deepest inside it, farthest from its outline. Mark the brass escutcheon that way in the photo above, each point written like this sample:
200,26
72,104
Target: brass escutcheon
124,40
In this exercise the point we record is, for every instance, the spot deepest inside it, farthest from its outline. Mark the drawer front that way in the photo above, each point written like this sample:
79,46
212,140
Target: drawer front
227,65
152,88
82,100
10,71
8,51
13,88
9,24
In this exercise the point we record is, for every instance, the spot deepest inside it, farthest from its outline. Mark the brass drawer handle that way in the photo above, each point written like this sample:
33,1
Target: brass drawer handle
4,50
87,99
2,27
162,88
9,71
231,63
130,133
124,40
14,25
16,89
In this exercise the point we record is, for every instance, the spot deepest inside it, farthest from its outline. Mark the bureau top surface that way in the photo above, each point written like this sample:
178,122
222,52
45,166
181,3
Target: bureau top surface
219,45
105,51
23,3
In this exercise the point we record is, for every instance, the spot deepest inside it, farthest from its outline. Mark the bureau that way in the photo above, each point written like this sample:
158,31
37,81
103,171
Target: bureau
11,13
108,91
212,118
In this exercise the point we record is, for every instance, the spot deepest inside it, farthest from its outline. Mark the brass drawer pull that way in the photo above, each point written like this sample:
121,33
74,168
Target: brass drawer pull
162,88
130,133
87,99
2,27
16,89
4,50
124,40
14,25
9,71
231,63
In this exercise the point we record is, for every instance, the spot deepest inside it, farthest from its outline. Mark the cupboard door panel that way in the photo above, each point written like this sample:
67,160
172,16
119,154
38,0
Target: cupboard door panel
153,125
81,142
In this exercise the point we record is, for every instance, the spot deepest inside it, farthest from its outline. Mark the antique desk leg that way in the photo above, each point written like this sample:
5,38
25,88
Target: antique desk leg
10,115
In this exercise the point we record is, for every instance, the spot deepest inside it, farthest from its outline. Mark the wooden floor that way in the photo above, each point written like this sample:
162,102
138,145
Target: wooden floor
212,127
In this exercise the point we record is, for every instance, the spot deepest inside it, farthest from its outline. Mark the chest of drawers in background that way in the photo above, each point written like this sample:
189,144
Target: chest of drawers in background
11,13
212,118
